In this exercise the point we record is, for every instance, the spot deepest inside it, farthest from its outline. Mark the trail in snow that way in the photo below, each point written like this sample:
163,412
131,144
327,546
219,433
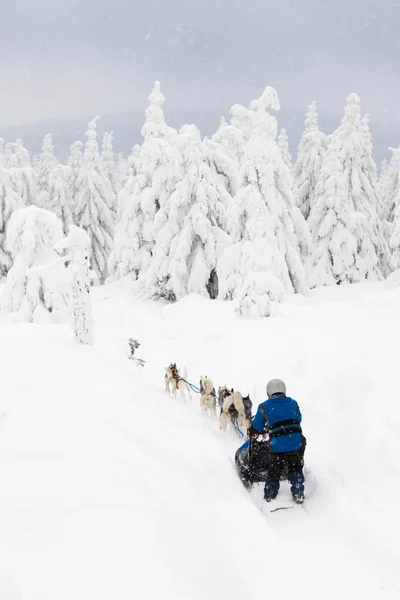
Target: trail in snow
111,488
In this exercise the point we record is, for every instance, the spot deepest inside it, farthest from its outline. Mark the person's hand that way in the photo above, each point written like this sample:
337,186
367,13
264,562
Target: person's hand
252,433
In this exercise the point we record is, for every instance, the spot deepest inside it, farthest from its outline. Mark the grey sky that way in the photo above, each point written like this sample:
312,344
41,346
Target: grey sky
66,60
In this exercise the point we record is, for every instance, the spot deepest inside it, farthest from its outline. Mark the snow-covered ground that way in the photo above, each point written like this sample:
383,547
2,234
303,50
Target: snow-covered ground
110,489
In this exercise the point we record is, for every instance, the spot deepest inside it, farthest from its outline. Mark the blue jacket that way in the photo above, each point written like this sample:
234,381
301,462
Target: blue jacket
277,409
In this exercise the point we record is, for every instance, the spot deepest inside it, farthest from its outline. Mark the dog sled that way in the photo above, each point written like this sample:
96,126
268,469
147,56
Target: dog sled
251,463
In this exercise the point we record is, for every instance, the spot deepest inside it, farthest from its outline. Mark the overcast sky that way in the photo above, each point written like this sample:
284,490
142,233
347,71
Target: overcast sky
73,59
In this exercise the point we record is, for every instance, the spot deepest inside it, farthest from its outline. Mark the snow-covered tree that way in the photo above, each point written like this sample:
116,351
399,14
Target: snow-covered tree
22,175
348,237
94,197
78,245
394,215
75,165
127,189
193,236
283,144
31,292
145,200
390,186
310,158
267,229
59,196
225,167
47,163
227,146
109,168
122,170
2,155
10,201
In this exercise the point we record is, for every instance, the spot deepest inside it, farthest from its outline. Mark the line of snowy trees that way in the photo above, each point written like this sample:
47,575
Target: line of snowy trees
229,217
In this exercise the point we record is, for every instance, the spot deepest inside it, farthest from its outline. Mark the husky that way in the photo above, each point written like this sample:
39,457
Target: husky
208,401
234,407
174,381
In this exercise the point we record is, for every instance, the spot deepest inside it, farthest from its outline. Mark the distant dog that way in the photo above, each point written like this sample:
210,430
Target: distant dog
234,408
174,381
208,401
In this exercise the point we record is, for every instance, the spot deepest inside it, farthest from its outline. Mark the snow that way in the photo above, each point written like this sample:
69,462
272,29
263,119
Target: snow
110,488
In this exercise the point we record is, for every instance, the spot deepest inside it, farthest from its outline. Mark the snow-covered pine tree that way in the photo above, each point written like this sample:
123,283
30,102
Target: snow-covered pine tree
348,237
242,119
267,229
75,164
10,201
283,144
8,152
310,158
122,170
94,197
78,245
193,236
31,292
59,197
126,192
109,168
227,146
384,167
47,162
370,165
383,183
390,190
22,175
393,206
225,168
145,200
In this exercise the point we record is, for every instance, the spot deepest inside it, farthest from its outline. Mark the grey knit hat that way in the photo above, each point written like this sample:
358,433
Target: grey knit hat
276,386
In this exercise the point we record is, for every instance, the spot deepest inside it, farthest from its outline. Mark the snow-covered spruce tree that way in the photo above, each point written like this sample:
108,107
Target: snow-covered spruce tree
227,146
193,236
370,165
78,247
390,193
310,158
10,201
122,171
267,229
94,197
349,243
127,189
22,175
31,292
47,163
59,197
145,199
109,168
390,181
383,183
75,165
283,144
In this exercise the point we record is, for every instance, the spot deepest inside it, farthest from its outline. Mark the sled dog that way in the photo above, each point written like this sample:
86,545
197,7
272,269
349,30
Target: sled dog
174,382
207,399
234,407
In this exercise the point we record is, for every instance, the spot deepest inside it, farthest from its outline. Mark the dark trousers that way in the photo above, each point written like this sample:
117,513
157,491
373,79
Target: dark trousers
285,463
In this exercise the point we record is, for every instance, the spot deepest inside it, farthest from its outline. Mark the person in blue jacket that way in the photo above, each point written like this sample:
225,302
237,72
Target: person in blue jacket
280,415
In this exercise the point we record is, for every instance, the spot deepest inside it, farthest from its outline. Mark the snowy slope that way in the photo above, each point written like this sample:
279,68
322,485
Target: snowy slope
110,489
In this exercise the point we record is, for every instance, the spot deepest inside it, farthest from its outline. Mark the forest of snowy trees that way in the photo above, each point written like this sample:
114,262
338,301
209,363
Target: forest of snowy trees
232,217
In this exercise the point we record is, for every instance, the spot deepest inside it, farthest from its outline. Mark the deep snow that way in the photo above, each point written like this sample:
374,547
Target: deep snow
110,489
